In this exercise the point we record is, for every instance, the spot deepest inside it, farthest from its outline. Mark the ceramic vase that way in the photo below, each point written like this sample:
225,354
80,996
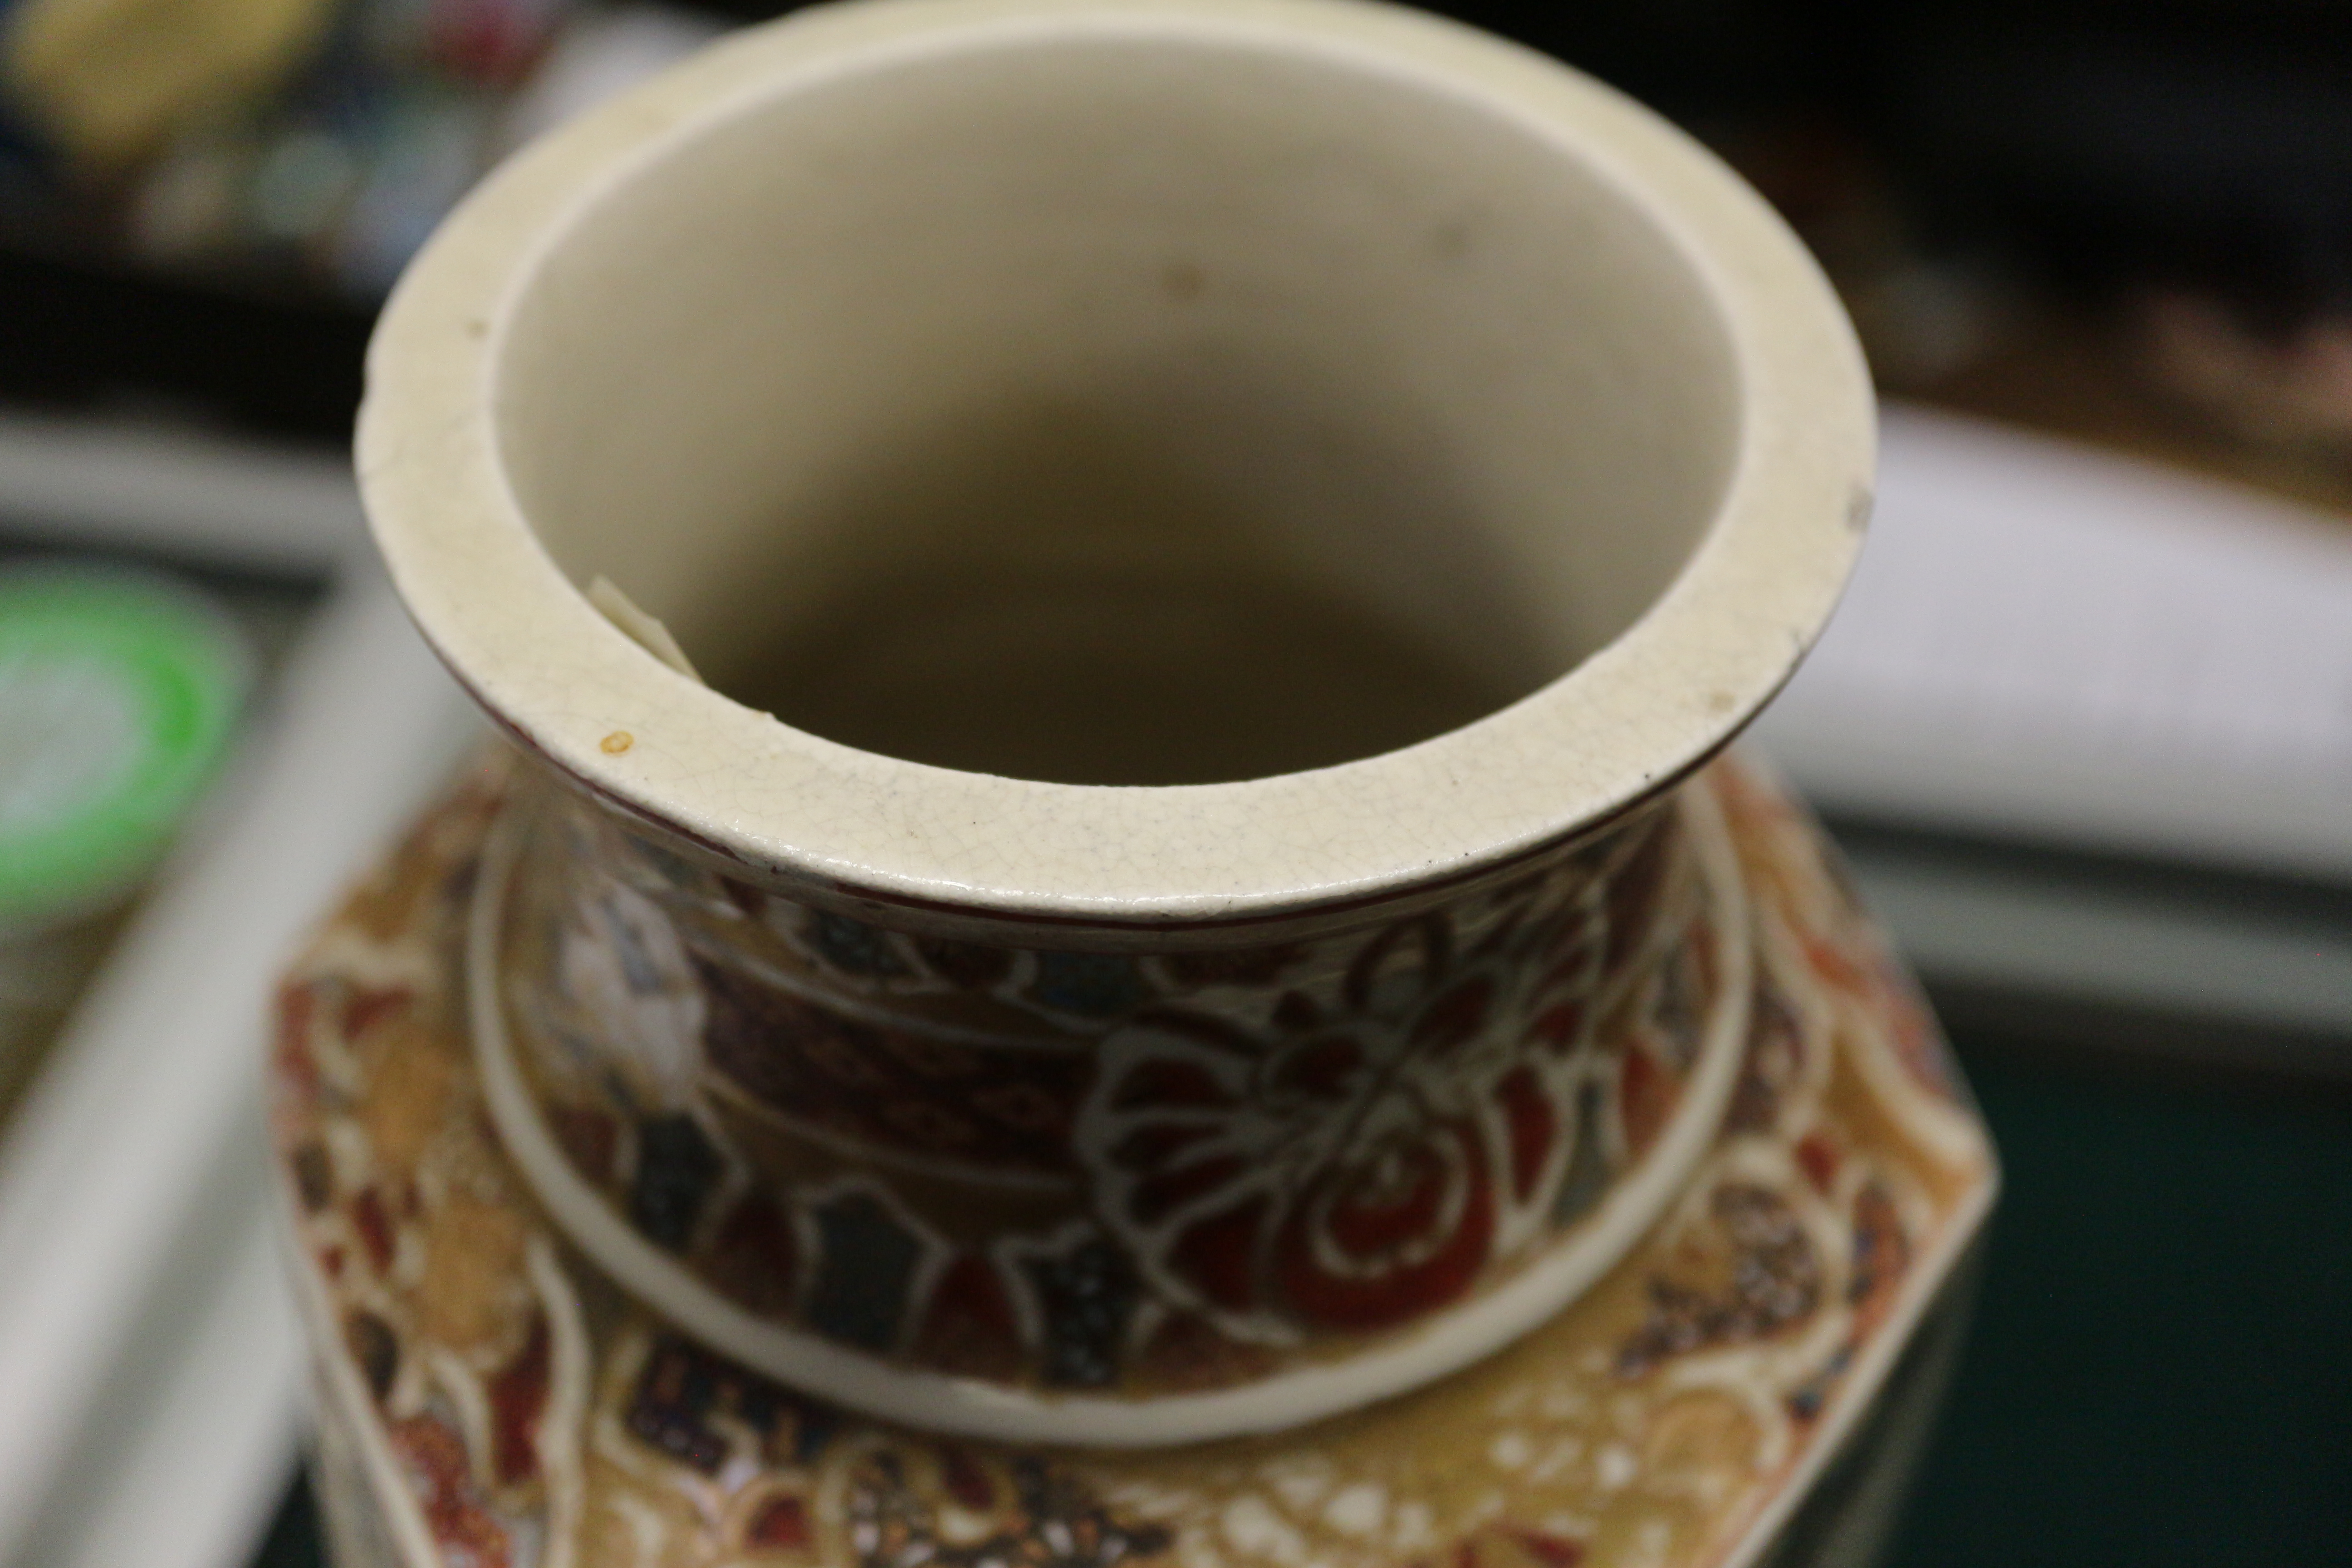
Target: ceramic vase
1116,926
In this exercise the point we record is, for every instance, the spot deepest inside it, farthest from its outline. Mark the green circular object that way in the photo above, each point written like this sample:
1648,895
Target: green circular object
117,695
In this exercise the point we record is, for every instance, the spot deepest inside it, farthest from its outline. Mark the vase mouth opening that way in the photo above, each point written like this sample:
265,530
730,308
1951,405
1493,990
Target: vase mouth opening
1100,407
1283,407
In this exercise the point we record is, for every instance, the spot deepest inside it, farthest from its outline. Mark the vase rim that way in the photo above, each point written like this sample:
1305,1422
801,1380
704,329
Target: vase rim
795,811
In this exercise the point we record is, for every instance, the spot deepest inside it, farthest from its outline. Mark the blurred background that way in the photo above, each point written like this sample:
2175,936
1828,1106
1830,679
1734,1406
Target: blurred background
2085,726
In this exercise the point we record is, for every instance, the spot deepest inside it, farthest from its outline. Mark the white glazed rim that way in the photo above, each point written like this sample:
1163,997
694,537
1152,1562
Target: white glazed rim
792,807
1443,1343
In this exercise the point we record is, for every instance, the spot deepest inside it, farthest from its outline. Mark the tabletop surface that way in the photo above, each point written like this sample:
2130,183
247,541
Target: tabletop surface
2160,1368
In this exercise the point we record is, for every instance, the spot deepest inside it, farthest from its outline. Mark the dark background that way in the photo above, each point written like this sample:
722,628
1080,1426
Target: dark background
2078,154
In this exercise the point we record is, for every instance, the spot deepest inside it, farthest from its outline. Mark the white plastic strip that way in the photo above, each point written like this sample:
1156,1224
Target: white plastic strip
2049,643
130,1143
127,485
191,1455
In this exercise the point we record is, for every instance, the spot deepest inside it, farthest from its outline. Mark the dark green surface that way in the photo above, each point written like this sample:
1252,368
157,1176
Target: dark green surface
293,1540
2161,1368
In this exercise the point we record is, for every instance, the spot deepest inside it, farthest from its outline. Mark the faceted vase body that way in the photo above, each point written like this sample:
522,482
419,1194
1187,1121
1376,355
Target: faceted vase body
1234,1011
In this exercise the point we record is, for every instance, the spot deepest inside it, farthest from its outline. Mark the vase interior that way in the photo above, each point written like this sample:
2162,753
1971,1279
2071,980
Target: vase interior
1111,409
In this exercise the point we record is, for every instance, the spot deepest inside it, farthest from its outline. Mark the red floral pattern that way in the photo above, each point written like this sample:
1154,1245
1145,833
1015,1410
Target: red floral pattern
1354,1168
1333,1135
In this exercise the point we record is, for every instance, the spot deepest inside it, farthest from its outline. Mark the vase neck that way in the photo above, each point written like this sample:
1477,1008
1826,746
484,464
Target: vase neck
1147,1173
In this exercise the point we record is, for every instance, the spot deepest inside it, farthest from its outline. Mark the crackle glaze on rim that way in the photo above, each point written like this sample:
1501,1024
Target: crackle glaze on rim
1440,1344
802,813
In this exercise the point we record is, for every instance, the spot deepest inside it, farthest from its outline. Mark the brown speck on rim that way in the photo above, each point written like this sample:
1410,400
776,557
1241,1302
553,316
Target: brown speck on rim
477,329
1719,702
1450,241
616,742
1183,281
